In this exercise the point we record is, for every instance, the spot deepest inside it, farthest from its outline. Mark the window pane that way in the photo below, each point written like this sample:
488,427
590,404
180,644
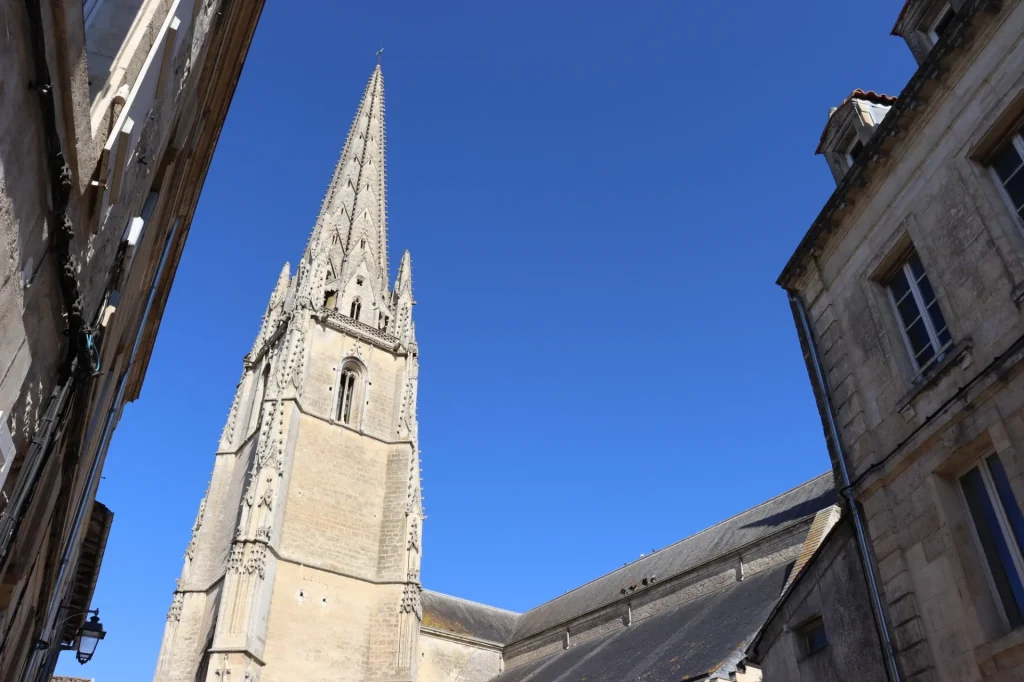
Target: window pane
944,338
925,356
1015,188
993,544
938,321
898,285
814,636
918,336
908,311
1005,161
927,293
1006,497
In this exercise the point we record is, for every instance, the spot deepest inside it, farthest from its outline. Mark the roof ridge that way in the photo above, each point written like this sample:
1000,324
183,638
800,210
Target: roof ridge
682,540
470,601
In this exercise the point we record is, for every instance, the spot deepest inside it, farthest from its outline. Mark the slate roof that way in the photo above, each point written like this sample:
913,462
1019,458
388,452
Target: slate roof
689,641
467,618
707,545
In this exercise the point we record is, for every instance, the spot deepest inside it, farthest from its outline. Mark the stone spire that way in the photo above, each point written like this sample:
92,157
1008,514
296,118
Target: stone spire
350,234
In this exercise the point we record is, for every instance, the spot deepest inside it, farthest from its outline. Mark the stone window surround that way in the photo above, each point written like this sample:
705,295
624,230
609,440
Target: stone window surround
878,271
359,395
1017,140
1004,526
945,494
917,293
804,631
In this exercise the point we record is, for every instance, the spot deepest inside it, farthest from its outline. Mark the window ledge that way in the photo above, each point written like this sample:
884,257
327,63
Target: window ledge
959,354
1001,654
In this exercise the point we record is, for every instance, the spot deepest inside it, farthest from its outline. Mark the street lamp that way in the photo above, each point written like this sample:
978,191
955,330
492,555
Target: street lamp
89,635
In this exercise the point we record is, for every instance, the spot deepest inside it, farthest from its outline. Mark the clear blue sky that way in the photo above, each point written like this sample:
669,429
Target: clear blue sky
598,198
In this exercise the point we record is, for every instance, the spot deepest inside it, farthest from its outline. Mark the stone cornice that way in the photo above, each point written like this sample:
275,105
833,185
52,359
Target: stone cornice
360,330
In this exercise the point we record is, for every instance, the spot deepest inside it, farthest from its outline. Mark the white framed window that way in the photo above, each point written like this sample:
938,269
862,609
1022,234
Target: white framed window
998,528
942,21
921,320
1006,165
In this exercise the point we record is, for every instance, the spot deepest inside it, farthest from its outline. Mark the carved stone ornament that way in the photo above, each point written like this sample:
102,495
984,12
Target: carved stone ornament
257,562
191,549
228,435
174,613
411,600
414,534
235,558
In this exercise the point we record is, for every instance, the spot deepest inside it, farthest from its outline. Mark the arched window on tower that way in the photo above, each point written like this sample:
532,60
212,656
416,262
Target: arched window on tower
356,308
331,299
348,393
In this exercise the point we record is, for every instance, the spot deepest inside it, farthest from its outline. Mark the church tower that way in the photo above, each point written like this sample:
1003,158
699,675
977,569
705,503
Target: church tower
305,554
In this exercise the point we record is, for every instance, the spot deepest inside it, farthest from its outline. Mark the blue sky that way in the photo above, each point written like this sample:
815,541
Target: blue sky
598,198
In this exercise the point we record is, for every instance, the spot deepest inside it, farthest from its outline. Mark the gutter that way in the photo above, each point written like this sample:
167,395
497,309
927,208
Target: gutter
821,388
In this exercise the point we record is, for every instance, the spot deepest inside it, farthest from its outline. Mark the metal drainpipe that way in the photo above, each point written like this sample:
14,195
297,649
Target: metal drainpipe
86,501
858,523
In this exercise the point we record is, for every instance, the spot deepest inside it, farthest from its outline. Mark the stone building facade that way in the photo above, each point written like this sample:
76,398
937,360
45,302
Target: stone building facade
304,561
906,293
109,113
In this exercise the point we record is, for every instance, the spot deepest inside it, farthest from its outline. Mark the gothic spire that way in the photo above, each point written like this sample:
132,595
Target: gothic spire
351,228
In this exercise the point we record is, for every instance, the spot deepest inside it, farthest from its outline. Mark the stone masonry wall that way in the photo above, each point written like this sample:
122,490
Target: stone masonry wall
445,660
831,586
907,437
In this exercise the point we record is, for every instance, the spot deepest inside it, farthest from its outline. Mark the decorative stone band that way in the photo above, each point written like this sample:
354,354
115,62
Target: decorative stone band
360,330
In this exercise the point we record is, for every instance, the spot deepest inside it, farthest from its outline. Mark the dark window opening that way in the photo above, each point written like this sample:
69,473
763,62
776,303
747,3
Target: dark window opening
855,150
812,635
987,491
942,23
345,395
330,299
355,309
1007,163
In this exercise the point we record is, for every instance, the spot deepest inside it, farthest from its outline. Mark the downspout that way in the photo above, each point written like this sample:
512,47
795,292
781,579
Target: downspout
804,329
